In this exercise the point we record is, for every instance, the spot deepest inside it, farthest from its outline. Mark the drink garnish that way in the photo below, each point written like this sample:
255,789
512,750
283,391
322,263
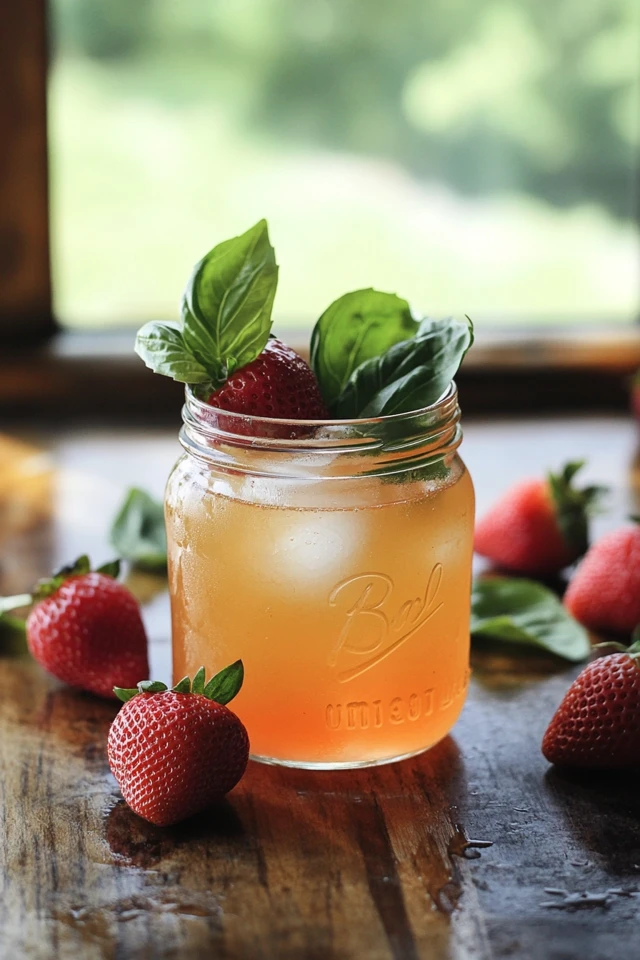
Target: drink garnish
371,357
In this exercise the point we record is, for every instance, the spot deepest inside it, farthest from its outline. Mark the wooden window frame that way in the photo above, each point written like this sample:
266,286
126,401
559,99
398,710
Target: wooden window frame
47,371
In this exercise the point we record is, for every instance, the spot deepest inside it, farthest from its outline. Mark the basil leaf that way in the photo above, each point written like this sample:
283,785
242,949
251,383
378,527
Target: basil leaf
356,327
526,613
410,375
227,304
162,347
138,532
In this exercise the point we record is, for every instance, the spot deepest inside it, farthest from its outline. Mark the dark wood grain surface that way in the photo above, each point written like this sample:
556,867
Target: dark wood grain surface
378,865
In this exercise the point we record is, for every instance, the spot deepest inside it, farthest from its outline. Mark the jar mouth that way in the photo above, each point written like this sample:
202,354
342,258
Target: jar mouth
245,443
264,427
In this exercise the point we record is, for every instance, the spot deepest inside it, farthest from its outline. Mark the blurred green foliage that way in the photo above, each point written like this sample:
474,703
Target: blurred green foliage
476,156
539,96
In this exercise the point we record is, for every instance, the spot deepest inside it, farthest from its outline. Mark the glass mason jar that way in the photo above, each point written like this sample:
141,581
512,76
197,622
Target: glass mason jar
334,559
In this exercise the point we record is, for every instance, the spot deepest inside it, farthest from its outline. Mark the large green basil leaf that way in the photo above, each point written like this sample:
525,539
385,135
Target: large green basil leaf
410,375
523,612
162,347
356,327
227,303
138,532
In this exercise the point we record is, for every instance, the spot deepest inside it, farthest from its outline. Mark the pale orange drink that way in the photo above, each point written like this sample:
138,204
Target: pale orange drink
334,559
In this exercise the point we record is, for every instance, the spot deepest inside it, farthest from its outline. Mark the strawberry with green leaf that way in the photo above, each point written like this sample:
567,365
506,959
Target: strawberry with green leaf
176,752
597,725
223,346
539,526
84,628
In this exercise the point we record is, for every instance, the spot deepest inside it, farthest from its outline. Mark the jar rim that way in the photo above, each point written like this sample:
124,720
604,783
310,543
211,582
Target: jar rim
218,436
263,424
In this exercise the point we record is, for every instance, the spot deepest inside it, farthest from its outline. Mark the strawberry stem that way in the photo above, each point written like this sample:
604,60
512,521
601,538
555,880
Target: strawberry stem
222,688
48,586
573,506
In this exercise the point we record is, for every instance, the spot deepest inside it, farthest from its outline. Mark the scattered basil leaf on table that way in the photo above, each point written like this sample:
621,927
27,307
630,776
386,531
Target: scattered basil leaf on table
138,532
524,612
410,375
226,313
356,327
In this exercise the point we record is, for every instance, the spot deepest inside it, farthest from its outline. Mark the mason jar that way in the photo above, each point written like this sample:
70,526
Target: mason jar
334,559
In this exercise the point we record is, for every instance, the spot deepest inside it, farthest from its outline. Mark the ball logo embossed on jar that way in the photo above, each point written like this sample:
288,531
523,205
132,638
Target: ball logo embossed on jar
376,625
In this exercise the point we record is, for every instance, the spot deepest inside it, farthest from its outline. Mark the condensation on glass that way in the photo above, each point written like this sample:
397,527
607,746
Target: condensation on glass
334,559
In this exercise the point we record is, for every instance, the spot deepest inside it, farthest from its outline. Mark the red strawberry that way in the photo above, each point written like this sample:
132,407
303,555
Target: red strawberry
175,752
85,628
605,592
539,526
277,384
598,722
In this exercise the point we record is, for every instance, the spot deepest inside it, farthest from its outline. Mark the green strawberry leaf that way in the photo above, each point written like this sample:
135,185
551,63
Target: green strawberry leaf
356,327
525,613
227,303
198,681
225,685
145,686
138,532
162,347
125,693
47,586
574,506
110,569
222,688
410,375
152,686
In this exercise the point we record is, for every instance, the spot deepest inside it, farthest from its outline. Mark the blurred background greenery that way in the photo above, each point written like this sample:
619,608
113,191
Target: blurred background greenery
476,157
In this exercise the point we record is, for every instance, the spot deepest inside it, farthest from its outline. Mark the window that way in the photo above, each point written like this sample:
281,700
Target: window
476,157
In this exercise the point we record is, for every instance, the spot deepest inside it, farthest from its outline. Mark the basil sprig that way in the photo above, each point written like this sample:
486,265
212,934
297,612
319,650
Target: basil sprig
356,327
226,313
525,613
409,375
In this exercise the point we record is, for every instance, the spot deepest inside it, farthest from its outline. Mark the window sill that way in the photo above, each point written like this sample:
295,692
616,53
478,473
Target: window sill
97,375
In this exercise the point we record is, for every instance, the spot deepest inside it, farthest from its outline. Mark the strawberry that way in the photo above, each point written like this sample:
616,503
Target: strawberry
539,526
277,384
85,628
598,722
604,595
176,752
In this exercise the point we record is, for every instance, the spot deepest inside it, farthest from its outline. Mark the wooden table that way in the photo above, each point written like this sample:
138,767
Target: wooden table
372,865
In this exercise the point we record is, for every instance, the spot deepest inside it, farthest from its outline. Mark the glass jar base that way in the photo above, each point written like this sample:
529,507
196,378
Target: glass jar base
340,764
